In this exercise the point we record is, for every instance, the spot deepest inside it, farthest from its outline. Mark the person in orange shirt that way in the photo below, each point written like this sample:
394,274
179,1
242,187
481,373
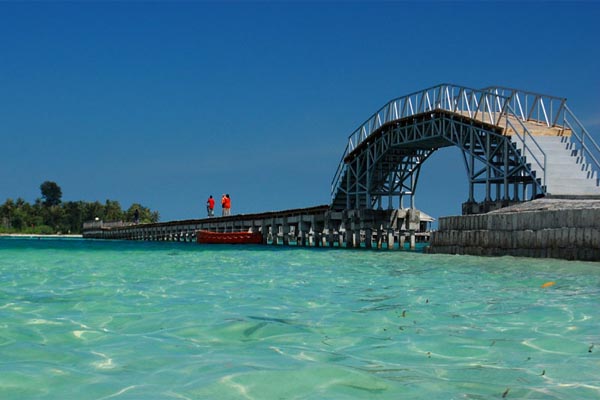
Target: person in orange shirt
226,204
210,206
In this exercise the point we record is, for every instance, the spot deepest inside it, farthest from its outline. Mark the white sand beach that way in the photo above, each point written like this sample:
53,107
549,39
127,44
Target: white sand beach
35,235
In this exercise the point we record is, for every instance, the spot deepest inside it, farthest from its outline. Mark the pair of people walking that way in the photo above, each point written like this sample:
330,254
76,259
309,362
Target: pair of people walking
225,205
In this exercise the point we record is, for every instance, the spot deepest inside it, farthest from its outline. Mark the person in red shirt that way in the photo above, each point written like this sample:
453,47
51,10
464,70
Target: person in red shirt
210,206
226,204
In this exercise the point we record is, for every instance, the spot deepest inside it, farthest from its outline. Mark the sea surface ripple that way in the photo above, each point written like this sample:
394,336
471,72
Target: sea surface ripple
135,320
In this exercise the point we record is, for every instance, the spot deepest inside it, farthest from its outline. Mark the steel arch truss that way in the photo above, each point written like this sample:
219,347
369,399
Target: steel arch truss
386,165
492,162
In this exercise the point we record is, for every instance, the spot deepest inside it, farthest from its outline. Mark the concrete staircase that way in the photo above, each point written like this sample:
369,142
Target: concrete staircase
567,171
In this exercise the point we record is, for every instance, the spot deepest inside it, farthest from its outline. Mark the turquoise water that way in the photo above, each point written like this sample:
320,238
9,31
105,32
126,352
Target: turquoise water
132,320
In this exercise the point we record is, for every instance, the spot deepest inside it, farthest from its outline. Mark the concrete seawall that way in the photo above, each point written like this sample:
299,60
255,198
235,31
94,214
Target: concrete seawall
553,228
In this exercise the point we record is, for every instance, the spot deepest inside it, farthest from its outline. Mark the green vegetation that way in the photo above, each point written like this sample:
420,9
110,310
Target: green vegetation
50,215
51,193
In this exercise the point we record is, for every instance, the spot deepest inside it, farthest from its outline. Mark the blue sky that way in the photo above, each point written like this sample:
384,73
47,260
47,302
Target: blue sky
164,103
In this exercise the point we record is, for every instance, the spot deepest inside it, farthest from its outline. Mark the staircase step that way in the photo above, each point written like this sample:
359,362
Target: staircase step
567,170
564,190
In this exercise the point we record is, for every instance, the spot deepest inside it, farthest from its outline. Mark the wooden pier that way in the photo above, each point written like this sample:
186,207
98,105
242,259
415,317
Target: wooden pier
315,227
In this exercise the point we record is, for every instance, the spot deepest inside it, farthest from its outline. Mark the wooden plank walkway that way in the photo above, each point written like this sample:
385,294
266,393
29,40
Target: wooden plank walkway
535,128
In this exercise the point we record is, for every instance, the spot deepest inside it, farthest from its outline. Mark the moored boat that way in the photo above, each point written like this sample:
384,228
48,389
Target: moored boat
229,237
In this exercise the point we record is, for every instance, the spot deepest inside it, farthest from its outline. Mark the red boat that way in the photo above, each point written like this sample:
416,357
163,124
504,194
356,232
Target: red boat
229,237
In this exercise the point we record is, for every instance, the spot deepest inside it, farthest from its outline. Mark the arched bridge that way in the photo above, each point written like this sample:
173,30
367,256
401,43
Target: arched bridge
516,146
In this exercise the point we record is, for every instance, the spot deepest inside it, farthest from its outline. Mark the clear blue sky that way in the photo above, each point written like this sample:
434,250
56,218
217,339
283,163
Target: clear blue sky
165,103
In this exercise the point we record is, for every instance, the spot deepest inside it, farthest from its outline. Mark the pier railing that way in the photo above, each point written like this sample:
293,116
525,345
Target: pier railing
491,105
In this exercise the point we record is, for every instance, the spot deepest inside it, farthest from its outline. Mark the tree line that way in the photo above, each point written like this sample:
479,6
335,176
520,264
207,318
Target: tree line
49,214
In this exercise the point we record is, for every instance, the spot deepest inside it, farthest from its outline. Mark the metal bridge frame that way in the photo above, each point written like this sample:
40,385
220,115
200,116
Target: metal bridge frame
384,155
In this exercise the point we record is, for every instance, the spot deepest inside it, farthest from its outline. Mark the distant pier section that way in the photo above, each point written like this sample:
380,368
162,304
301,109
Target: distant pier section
315,227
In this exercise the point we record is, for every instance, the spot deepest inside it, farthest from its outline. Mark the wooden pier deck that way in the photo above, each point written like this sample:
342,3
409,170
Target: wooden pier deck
314,226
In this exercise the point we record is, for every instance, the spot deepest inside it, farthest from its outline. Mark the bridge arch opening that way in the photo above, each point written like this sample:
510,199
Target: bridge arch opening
442,184
388,163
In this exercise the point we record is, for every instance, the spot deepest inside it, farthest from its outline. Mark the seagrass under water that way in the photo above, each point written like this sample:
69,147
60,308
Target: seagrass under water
122,320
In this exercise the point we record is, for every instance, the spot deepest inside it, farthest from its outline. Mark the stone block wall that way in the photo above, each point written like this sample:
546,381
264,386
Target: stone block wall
571,234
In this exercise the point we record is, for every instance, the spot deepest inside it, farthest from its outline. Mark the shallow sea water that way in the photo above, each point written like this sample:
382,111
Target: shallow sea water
131,320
